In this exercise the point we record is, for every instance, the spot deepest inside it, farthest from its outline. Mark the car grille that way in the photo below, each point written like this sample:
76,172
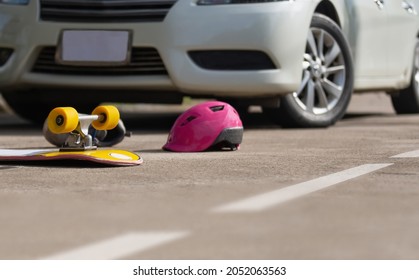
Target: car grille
105,10
144,61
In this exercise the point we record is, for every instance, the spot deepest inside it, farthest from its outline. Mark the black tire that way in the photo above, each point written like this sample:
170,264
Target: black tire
406,101
327,80
35,106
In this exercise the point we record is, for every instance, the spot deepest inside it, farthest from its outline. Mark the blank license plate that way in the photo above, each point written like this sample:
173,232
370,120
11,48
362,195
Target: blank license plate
94,47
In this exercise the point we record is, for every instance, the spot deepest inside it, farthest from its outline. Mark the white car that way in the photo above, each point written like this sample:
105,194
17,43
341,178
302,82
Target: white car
300,59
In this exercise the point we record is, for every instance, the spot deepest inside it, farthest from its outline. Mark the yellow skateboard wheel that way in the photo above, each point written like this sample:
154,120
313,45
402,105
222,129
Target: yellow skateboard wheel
63,120
108,117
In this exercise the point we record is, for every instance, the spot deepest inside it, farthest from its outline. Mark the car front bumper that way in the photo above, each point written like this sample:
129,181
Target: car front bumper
277,29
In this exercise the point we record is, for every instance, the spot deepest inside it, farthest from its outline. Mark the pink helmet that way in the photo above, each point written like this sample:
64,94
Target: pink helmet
211,124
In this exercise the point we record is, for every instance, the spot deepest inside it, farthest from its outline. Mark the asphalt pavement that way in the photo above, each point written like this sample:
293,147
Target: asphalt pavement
346,192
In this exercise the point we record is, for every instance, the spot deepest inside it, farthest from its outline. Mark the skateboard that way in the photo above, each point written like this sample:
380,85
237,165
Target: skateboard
79,143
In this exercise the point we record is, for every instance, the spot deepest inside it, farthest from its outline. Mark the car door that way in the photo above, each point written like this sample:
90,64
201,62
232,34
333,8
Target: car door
402,29
369,37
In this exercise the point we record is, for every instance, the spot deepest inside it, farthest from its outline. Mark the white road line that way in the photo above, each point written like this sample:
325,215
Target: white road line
119,246
273,198
412,154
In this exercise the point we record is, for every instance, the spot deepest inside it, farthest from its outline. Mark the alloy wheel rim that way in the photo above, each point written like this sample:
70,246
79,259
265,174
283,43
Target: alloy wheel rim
324,74
416,71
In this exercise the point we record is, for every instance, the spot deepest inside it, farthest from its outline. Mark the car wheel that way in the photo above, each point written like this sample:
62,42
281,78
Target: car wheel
35,106
327,80
406,101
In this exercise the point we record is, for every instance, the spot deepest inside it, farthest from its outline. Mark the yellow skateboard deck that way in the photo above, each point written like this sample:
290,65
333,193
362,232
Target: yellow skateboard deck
109,157
79,143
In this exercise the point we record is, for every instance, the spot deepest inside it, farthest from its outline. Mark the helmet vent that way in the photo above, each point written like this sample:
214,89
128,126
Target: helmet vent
188,120
217,108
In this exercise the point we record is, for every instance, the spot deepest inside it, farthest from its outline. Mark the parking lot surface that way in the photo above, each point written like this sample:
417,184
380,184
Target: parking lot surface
347,192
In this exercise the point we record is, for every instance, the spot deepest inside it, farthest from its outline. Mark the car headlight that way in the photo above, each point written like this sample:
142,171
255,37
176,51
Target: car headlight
224,2
15,2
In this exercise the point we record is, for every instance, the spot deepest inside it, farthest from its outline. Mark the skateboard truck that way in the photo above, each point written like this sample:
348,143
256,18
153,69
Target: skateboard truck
79,138
63,120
